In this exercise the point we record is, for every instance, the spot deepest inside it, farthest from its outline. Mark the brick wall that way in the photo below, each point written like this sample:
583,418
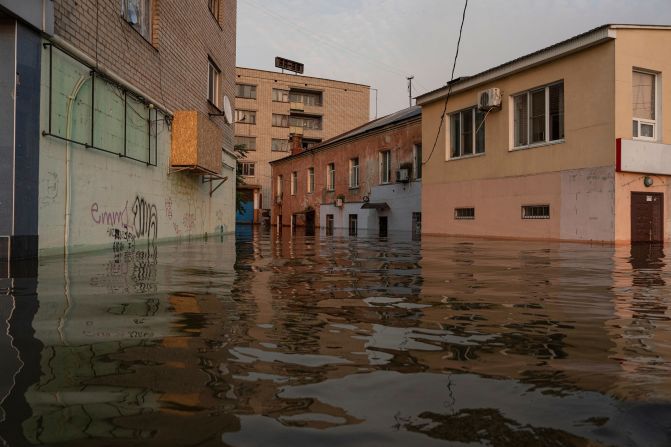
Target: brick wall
172,66
399,139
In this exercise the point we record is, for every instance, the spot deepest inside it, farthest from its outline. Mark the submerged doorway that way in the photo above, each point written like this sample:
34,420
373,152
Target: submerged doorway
383,226
647,217
310,223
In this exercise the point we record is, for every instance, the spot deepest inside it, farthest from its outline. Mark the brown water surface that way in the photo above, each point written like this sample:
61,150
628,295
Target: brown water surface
293,340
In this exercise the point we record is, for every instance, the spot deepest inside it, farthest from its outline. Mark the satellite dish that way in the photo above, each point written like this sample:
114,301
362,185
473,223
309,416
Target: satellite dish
228,112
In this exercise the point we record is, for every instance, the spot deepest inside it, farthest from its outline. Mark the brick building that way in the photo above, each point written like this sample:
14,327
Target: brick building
367,179
271,106
131,144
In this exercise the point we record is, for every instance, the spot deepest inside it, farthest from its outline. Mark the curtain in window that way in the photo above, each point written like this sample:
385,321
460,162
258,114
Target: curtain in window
643,95
521,120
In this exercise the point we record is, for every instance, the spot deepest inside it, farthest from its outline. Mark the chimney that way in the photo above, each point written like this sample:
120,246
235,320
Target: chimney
296,144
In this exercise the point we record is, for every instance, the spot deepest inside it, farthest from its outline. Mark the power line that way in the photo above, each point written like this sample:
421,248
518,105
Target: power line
449,85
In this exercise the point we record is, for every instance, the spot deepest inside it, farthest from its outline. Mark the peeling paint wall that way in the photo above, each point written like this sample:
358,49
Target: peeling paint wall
114,201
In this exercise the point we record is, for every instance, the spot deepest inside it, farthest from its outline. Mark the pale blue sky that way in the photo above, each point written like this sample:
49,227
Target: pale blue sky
380,42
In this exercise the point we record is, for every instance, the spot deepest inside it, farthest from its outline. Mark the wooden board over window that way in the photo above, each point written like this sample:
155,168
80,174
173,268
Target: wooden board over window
196,142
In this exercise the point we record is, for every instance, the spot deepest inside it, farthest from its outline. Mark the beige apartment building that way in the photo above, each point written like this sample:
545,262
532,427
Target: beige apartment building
572,142
272,106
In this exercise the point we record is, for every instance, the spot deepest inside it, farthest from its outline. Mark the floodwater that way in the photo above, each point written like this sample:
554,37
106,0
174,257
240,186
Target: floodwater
293,340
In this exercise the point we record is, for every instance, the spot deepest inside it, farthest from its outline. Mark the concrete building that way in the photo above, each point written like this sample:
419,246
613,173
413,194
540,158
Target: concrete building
577,146
130,144
272,106
367,179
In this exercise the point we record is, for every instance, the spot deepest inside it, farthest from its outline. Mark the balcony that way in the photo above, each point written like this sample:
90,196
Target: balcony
644,157
296,105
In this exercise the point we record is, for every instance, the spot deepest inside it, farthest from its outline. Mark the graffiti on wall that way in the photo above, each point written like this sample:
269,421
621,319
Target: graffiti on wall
145,219
126,226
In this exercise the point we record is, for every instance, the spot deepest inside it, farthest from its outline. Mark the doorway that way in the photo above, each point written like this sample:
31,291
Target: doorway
647,217
383,226
310,223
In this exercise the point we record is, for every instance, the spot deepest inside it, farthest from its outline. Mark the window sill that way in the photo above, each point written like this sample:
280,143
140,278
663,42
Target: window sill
351,188
145,38
244,97
466,157
209,101
535,145
647,140
330,190
385,183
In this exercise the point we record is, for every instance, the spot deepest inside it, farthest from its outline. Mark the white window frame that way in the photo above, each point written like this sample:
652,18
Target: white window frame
213,82
294,182
547,140
385,179
330,177
354,172
311,180
654,122
474,136
244,166
279,186
241,112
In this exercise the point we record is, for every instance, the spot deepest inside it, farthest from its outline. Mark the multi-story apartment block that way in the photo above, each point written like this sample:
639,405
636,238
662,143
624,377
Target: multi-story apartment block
572,142
365,180
115,134
270,107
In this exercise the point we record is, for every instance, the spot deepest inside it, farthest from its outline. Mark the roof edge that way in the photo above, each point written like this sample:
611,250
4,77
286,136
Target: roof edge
298,76
574,44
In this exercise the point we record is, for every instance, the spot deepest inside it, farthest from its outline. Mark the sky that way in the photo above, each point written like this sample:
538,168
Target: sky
381,42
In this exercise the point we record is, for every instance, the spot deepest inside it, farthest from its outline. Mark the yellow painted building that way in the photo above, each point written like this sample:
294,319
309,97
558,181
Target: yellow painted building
572,142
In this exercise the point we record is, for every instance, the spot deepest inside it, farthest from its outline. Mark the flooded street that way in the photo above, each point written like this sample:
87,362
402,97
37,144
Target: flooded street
293,340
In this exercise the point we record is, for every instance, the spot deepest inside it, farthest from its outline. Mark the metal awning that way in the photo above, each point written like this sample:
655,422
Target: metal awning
380,206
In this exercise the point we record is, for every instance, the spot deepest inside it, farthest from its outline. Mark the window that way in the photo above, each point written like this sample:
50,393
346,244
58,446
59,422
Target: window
294,182
277,145
467,132
353,224
354,173
280,120
330,177
246,168
245,91
307,98
213,74
536,212
385,166
279,186
311,179
306,122
214,8
417,161
245,116
464,213
138,14
280,95
539,116
643,103
308,143
248,142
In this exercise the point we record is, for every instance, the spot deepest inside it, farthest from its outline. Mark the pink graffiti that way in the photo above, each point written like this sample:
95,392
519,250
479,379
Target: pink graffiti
109,218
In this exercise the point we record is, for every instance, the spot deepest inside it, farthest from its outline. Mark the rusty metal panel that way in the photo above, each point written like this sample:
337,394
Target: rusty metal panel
196,142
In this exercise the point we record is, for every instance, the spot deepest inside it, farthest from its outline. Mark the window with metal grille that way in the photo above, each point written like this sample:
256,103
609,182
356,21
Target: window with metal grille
464,213
536,212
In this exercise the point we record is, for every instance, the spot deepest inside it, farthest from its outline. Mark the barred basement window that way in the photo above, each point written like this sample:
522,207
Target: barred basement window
536,212
464,213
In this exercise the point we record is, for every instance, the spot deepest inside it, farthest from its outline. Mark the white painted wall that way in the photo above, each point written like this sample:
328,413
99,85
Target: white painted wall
403,200
645,157
116,199
341,215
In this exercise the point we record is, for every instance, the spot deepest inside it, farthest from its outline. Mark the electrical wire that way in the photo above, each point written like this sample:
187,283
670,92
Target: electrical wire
449,85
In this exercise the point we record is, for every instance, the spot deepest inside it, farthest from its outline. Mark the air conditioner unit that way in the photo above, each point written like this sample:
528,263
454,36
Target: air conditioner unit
489,99
403,175
338,202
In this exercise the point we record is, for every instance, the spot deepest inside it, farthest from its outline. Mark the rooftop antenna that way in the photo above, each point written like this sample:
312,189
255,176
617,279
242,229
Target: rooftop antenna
410,78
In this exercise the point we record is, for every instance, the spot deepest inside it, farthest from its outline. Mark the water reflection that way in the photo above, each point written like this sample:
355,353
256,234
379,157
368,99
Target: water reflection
293,339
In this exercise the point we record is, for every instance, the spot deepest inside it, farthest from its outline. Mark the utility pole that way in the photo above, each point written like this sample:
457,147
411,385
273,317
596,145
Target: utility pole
410,78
